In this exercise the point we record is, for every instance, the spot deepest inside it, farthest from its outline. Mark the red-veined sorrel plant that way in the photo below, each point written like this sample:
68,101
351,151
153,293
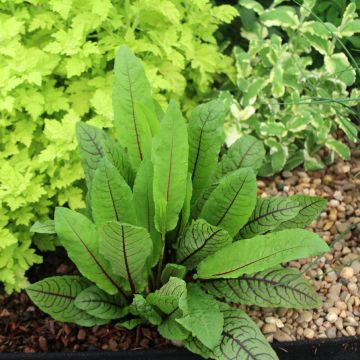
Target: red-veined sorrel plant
171,234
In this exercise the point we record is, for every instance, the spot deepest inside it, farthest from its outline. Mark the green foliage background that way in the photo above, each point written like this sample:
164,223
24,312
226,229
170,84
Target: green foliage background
56,60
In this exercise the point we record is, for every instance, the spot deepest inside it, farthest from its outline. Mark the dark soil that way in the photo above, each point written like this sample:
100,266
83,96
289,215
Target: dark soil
24,328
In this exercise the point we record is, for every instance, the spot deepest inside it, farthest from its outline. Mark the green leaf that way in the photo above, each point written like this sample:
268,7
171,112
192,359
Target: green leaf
283,16
47,227
232,202
186,210
338,65
168,296
241,338
196,346
127,248
206,135
173,270
131,93
142,308
202,316
245,152
170,159
119,157
350,129
260,253
90,139
80,238
111,196
340,148
56,296
100,304
269,213
276,287
130,324
310,209
199,241
145,208
171,329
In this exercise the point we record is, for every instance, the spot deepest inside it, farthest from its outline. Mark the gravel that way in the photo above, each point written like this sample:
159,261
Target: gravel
336,275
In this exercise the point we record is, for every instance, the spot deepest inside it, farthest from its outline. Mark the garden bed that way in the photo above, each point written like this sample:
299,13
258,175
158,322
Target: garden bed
24,328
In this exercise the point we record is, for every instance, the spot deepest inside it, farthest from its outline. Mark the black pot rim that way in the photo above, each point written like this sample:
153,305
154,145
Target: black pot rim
344,348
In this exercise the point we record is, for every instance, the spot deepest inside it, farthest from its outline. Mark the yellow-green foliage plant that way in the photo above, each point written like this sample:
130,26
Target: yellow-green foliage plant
294,86
56,59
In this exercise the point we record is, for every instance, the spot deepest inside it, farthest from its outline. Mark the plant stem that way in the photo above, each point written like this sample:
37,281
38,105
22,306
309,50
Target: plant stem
159,269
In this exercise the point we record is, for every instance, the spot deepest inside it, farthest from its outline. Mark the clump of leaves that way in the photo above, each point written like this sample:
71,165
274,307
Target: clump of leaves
171,234
293,87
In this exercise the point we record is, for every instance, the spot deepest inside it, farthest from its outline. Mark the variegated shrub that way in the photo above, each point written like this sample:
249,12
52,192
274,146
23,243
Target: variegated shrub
294,84
171,235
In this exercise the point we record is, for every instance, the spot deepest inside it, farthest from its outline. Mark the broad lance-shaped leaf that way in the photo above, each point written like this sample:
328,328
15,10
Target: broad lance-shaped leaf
80,238
186,210
100,304
90,139
232,202
206,135
310,209
167,298
47,227
170,329
56,296
276,287
119,157
260,253
145,208
142,308
127,248
241,338
202,316
199,241
247,151
269,213
170,159
131,93
111,196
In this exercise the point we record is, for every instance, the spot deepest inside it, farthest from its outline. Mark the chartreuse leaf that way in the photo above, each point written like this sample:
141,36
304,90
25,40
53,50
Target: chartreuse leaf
170,159
100,304
111,196
127,248
145,208
261,252
276,287
56,296
241,338
168,296
47,227
144,310
119,157
202,316
90,140
232,202
247,151
80,238
173,270
131,93
340,148
310,209
206,135
199,241
269,213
